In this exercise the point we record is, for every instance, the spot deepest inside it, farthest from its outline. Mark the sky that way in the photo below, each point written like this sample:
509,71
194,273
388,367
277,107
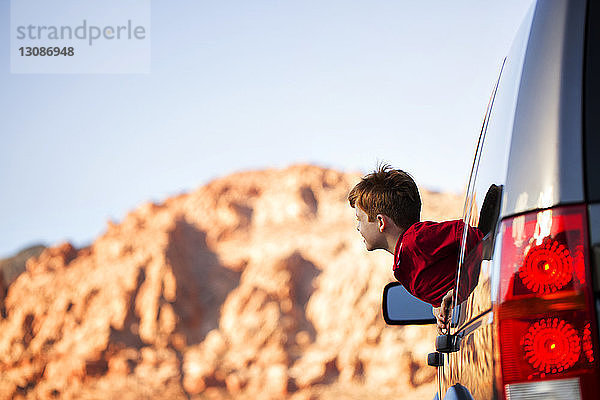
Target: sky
244,85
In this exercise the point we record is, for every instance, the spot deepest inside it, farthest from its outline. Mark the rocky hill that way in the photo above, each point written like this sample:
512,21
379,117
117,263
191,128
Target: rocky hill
12,267
255,286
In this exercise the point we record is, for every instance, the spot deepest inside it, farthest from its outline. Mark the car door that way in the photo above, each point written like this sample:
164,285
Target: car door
471,367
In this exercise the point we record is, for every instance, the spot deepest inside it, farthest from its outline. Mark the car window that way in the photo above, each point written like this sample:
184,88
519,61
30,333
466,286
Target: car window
486,183
592,103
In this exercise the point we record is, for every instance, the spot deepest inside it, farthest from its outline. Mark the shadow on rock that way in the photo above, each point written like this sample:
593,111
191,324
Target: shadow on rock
203,283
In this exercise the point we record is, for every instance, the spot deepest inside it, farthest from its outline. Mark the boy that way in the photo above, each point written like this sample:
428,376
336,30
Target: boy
388,207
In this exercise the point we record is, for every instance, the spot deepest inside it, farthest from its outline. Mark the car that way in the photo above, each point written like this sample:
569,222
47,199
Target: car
524,323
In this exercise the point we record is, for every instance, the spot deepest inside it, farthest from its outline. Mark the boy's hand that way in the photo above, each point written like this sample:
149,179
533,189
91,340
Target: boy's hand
442,313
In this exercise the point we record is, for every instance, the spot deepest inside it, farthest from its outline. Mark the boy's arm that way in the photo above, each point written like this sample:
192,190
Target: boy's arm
443,312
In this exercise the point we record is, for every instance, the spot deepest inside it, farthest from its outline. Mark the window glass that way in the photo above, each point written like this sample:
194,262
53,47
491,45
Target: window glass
592,102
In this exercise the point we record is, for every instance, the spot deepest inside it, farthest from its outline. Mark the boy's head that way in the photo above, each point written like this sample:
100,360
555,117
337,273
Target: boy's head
389,192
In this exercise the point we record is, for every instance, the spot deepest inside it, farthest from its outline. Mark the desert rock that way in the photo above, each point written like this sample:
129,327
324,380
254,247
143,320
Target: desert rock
256,285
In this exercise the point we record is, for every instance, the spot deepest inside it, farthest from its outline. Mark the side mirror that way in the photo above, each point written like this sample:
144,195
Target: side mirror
402,308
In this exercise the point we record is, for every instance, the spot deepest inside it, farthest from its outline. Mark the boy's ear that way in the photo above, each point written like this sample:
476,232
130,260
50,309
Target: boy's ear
381,222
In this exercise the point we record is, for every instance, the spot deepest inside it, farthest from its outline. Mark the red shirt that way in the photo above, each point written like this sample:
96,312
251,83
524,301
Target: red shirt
426,258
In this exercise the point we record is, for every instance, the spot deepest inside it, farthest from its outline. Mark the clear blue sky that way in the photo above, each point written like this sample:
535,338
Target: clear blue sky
246,85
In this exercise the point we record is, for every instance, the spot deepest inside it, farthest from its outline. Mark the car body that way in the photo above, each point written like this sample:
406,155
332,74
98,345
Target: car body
524,324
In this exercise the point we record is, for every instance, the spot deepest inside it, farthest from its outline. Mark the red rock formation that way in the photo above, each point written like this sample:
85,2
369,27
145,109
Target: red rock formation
256,285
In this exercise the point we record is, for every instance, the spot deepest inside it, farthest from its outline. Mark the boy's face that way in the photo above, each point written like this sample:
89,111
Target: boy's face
370,230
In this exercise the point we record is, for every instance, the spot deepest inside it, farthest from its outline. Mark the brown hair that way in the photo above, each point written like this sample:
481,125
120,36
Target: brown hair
388,191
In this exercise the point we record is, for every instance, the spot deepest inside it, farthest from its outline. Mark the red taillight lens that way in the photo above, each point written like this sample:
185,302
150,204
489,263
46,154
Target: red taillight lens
547,267
543,253
542,345
544,307
551,345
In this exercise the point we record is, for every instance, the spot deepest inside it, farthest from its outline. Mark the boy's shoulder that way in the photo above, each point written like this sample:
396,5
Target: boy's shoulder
429,234
421,228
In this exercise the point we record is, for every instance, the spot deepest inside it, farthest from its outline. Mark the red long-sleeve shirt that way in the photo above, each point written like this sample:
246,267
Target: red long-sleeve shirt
426,258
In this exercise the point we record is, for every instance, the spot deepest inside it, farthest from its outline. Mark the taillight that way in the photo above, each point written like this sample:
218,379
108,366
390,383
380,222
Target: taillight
544,318
547,267
551,345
